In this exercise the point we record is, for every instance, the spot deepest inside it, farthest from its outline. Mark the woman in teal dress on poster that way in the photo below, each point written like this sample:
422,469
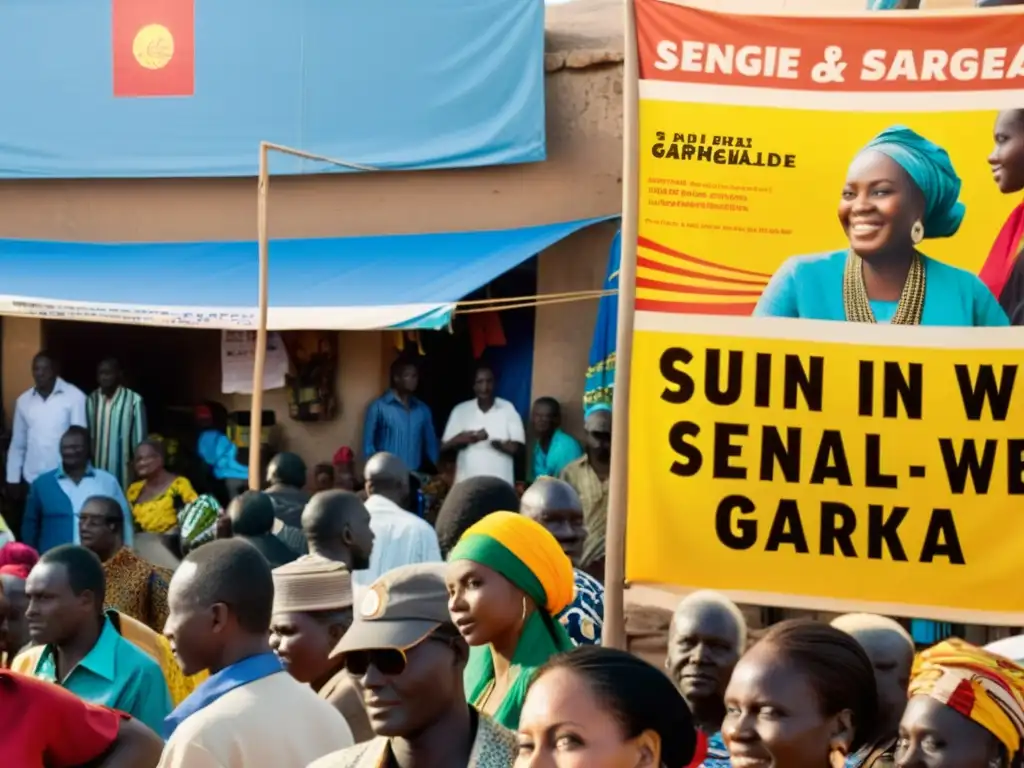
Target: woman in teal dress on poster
900,190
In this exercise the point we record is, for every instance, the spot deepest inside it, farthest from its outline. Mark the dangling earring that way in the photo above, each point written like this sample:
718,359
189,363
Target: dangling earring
524,609
917,232
837,757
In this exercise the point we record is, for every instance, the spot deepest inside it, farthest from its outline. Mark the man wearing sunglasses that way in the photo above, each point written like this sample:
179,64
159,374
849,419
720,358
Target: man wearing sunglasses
408,659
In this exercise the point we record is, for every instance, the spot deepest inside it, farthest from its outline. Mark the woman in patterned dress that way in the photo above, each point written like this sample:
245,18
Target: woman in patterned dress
159,495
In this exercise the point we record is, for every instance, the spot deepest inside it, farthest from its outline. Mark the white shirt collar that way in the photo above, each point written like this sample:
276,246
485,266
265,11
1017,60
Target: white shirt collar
377,503
58,387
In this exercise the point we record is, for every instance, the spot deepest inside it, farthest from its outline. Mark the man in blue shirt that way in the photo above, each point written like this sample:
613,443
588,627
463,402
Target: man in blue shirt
56,497
553,449
78,647
399,423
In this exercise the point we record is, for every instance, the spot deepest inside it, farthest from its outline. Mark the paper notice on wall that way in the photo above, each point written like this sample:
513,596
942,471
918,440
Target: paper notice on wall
238,356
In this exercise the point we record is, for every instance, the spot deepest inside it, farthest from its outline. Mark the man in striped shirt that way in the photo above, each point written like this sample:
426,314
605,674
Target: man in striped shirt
117,422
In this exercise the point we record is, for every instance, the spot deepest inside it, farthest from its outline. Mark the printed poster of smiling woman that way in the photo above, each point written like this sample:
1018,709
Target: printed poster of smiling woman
762,179
824,363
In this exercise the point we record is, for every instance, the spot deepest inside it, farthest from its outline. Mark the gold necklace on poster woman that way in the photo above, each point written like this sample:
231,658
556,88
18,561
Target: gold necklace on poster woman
857,305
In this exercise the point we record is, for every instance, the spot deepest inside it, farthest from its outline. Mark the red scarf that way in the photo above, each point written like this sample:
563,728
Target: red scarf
1001,259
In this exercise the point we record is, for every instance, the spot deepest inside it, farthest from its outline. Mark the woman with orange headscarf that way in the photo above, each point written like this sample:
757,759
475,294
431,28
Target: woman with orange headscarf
966,709
507,580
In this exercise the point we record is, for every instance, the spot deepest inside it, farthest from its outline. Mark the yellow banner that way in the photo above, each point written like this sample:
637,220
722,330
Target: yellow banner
829,220
829,474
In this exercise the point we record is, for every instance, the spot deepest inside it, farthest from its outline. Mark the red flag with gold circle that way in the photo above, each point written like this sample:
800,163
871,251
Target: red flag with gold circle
154,47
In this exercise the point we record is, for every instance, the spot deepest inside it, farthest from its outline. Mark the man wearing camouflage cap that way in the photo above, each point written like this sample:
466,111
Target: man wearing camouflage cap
408,658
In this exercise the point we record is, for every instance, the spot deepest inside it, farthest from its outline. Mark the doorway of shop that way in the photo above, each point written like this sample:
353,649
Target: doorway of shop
173,369
450,356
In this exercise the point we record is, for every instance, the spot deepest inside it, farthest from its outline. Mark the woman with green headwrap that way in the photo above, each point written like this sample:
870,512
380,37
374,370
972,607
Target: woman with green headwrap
507,579
900,190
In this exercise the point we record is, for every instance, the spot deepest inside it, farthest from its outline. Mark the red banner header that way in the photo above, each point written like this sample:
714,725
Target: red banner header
883,52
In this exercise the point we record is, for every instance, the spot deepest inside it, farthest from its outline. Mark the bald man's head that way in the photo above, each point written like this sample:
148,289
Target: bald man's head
251,514
707,637
388,476
337,526
556,505
891,650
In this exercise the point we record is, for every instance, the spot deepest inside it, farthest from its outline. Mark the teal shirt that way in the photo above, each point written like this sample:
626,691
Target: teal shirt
811,287
562,450
115,674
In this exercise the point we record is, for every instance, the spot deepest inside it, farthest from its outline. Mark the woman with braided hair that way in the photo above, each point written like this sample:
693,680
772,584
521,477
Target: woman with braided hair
603,708
803,696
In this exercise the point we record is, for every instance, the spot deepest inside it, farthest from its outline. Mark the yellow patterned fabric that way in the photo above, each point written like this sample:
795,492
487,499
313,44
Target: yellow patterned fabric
978,684
137,588
159,649
160,514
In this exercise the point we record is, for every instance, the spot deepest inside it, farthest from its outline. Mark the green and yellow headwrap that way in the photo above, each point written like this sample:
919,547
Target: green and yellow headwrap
524,552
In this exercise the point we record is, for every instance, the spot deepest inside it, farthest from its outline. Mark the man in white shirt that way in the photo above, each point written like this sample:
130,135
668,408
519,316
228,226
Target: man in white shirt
41,417
399,536
487,432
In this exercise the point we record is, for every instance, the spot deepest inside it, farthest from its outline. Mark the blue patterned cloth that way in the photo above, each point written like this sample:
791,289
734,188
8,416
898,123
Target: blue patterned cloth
879,753
584,618
927,632
718,755
601,364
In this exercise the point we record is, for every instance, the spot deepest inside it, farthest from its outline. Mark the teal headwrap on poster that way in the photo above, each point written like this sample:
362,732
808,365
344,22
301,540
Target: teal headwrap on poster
932,171
883,5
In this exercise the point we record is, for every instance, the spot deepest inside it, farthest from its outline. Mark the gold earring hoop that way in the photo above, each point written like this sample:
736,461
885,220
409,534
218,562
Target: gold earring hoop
917,232
524,609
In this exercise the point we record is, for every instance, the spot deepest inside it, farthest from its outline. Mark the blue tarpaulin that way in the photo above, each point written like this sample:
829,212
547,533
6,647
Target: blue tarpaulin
386,83
385,281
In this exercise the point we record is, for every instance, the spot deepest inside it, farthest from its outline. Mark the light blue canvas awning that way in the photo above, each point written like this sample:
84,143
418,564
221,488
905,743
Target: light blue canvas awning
397,84
346,283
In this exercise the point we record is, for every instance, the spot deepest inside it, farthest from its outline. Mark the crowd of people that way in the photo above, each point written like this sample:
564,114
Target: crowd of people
306,624
463,662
